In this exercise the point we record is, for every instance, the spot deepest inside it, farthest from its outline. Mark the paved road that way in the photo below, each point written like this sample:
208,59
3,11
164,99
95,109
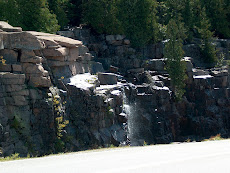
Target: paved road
210,157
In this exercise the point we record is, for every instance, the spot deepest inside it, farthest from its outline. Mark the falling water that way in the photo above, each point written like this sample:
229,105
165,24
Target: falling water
130,108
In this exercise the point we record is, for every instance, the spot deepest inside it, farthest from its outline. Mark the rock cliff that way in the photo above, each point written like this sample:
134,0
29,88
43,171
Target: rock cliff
55,95
43,109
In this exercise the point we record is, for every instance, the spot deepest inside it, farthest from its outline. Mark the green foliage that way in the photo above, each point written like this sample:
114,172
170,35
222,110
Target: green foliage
139,20
220,61
12,157
74,12
218,15
60,121
29,14
59,145
102,16
59,8
208,51
123,17
174,54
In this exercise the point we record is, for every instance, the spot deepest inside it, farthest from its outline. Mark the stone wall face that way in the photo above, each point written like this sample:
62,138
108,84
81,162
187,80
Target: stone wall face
34,77
204,109
55,96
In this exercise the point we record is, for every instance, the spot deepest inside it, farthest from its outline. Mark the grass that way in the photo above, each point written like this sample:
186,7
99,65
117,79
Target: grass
215,138
9,158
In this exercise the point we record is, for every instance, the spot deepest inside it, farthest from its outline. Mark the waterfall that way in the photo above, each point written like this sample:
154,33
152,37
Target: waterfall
134,125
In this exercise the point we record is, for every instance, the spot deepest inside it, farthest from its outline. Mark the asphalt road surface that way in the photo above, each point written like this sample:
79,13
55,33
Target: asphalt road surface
210,157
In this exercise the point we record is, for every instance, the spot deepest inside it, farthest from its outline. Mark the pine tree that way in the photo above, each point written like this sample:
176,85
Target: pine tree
139,20
74,12
217,14
59,8
174,54
102,16
208,52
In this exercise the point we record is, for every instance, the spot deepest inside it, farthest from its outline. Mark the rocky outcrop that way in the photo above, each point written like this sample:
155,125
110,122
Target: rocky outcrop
40,110
153,115
58,94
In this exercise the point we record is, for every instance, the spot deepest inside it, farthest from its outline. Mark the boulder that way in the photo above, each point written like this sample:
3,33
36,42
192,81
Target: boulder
96,67
126,41
155,65
110,39
119,37
19,101
83,50
14,88
49,42
8,28
219,72
63,41
73,54
87,57
40,82
35,69
28,56
62,71
21,40
107,78
122,118
188,62
17,68
62,51
199,72
5,68
10,56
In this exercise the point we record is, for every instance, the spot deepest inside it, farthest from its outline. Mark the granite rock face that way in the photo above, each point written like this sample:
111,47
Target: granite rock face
157,117
61,94
33,93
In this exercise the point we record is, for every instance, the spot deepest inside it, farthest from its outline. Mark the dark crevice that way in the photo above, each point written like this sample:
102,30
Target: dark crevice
11,70
19,55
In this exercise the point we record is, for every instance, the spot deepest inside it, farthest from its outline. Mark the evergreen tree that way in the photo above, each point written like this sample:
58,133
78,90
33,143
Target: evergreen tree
59,8
139,20
207,49
30,15
174,54
102,16
217,14
74,12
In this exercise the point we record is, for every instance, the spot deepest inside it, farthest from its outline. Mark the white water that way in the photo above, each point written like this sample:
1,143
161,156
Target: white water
130,109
